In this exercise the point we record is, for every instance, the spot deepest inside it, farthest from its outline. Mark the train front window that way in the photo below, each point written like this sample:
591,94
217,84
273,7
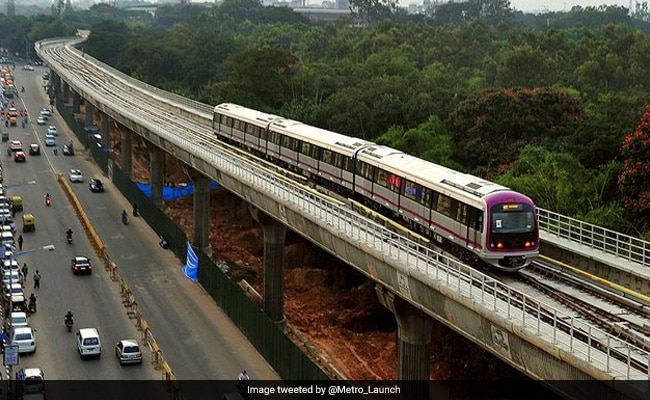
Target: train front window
512,218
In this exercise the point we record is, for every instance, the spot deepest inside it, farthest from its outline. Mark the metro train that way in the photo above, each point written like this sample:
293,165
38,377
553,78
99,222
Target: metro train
478,221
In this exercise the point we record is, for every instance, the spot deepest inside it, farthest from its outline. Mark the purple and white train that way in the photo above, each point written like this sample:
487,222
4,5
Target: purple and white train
475,219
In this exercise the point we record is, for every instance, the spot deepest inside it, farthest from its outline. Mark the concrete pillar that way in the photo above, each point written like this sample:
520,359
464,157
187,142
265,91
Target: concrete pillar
89,110
414,336
274,235
201,214
106,132
65,89
157,174
127,155
76,102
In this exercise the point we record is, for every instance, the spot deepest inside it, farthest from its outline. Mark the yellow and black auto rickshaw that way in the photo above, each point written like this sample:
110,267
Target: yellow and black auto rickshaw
29,223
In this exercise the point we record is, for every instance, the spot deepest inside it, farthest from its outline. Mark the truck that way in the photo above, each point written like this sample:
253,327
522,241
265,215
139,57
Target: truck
13,116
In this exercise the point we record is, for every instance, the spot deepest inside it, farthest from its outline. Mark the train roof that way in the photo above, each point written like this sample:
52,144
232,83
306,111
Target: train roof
320,137
436,176
246,114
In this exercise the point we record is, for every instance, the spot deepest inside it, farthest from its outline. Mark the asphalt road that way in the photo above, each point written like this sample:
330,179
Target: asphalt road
196,339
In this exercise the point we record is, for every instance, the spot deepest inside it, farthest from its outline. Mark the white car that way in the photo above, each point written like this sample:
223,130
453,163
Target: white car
50,140
76,175
25,338
28,68
41,120
51,130
18,319
45,111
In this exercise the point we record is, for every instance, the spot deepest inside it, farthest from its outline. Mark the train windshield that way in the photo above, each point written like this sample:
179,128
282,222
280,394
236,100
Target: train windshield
512,218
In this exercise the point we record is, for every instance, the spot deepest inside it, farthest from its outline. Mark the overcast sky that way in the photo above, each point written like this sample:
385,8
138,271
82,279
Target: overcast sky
561,5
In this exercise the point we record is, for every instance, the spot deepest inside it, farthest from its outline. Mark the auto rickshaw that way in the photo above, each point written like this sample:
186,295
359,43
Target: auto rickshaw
17,203
29,223
5,135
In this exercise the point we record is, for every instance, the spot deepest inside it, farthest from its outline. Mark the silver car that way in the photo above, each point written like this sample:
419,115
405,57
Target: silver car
128,351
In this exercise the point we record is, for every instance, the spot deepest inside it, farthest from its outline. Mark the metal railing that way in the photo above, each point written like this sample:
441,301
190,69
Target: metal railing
495,298
595,237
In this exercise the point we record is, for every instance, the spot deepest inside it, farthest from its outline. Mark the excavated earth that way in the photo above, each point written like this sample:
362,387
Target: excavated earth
330,305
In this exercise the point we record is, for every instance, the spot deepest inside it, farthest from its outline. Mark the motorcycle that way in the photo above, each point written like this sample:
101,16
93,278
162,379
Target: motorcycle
48,201
68,324
32,307
69,238
125,219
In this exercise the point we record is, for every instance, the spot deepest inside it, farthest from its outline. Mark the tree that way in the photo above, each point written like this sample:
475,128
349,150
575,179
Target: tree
374,10
491,128
634,180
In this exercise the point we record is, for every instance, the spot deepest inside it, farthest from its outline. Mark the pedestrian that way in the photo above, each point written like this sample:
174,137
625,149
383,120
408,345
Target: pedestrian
37,279
20,242
25,271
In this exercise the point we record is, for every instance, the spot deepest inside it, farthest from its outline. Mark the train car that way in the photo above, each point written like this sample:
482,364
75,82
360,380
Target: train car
451,207
473,218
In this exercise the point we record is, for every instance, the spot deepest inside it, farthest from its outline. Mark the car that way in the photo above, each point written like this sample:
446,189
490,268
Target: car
10,264
76,175
30,381
18,319
51,130
16,145
25,338
41,120
68,150
19,156
96,186
50,140
28,68
15,289
9,278
45,111
89,343
128,351
34,149
81,265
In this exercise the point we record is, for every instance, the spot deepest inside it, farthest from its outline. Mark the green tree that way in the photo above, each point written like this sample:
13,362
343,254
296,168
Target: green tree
555,181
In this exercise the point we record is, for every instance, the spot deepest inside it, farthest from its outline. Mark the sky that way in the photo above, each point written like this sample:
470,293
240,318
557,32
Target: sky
564,5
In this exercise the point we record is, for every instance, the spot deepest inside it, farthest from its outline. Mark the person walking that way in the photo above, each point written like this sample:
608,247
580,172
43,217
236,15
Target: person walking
20,242
37,279
25,271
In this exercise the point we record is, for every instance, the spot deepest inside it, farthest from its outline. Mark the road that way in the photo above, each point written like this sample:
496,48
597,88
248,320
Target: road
196,338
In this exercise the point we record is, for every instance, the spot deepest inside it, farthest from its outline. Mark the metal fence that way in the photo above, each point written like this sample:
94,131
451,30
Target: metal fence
596,237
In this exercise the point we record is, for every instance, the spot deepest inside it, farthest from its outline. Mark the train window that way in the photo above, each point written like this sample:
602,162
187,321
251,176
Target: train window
315,152
237,124
305,148
338,160
274,137
425,196
382,177
252,130
348,165
264,134
461,215
394,182
225,120
365,170
411,190
327,156
444,205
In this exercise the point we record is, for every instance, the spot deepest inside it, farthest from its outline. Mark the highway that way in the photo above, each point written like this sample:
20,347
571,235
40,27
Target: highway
197,340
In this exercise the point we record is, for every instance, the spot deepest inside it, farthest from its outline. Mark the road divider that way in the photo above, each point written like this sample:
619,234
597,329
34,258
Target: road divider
128,299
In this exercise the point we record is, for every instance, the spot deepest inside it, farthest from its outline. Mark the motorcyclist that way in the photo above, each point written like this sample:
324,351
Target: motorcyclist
22,88
32,302
242,380
124,217
68,234
68,317
48,199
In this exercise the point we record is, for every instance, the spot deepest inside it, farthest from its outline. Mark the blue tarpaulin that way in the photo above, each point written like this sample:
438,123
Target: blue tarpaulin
174,192
191,268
